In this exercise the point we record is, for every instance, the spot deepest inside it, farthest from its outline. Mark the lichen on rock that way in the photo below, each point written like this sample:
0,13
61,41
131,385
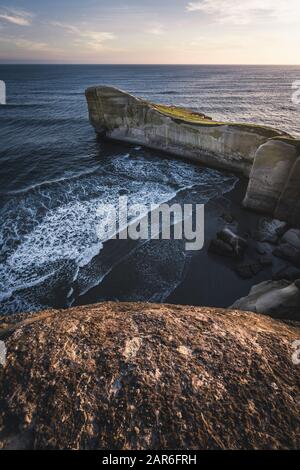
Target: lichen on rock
146,376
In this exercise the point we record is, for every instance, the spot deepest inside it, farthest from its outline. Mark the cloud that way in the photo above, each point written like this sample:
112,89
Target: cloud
248,11
93,39
27,44
205,43
156,28
18,17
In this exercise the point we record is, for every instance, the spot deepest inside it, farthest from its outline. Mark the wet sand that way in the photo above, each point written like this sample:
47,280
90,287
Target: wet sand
201,279
211,279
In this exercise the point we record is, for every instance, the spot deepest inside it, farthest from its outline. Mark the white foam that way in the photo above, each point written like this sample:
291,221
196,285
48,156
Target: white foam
69,233
43,229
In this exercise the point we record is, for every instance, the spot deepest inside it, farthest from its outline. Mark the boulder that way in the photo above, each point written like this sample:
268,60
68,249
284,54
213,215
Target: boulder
248,270
289,247
266,260
228,217
221,248
145,376
289,273
228,243
269,230
252,267
272,165
280,299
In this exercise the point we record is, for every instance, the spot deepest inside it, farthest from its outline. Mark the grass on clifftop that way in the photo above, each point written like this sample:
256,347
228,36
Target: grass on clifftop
198,118
185,114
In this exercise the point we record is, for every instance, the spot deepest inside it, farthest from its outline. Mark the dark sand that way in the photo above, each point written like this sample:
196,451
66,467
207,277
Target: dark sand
211,279
201,279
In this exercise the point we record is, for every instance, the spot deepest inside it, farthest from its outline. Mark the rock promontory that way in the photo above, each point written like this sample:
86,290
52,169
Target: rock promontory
269,157
147,376
279,299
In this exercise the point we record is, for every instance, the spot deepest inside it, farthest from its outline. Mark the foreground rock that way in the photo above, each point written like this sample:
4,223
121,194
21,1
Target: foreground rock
140,376
270,157
280,299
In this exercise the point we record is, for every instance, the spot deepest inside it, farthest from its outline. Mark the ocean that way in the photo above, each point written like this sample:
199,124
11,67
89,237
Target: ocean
55,172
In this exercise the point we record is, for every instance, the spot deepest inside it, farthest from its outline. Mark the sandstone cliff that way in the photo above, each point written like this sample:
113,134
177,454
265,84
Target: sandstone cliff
266,155
121,116
140,376
274,180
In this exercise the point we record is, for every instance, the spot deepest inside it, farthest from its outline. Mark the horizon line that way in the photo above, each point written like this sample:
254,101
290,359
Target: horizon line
150,65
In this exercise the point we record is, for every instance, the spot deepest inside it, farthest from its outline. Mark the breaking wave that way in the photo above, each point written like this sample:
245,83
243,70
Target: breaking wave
49,231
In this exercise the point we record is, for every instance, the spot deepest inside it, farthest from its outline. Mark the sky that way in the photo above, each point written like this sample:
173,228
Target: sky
150,32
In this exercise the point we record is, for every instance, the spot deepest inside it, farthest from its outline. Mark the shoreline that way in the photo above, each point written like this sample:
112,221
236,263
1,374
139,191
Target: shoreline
207,279
211,279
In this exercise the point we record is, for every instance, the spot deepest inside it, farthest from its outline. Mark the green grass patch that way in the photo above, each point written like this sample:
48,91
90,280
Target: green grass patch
189,116
182,113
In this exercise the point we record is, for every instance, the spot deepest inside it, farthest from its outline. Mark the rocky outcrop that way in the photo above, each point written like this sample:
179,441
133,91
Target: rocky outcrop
268,230
143,376
289,247
289,273
120,116
273,164
267,155
229,244
280,299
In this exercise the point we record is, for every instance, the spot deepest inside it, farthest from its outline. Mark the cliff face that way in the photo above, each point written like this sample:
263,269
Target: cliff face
140,376
246,148
123,117
274,180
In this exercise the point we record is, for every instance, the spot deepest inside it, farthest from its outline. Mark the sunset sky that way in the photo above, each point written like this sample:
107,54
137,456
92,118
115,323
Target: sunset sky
150,32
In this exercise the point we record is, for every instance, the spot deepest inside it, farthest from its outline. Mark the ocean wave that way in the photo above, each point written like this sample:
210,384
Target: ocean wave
42,122
46,184
21,105
53,226
66,232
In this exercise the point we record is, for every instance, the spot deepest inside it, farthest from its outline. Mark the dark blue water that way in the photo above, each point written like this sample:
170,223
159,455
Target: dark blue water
55,173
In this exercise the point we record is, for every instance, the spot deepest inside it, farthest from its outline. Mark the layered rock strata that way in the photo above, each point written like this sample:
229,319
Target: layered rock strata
267,156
